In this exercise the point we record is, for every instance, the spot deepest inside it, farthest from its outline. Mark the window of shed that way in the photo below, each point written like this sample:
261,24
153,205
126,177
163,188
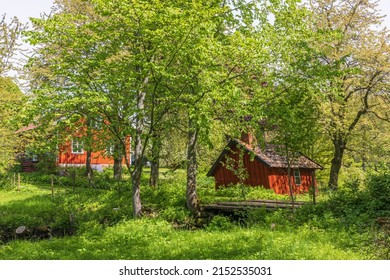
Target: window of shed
297,177
77,147
34,158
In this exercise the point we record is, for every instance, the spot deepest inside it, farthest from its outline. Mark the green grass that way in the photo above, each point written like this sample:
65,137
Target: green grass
157,239
103,227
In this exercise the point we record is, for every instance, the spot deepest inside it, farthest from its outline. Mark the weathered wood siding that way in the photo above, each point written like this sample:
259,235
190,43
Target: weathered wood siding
278,180
257,172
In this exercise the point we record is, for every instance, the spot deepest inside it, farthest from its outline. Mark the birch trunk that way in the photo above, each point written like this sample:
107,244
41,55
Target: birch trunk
138,152
191,196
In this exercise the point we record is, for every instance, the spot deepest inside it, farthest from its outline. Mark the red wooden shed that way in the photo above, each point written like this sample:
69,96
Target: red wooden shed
264,167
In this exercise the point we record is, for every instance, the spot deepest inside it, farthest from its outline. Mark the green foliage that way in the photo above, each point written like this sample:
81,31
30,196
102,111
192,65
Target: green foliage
47,163
378,188
220,223
11,100
175,214
9,33
88,223
208,193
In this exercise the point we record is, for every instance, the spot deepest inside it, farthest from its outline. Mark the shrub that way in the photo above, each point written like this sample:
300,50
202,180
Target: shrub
254,216
175,214
378,188
220,223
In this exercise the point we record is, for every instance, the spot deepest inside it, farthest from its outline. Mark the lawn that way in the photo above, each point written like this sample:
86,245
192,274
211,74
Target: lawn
89,223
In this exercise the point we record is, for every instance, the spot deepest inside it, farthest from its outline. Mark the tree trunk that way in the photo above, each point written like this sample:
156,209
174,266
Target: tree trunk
154,172
118,168
290,186
339,148
191,197
88,167
155,162
138,153
136,183
118,158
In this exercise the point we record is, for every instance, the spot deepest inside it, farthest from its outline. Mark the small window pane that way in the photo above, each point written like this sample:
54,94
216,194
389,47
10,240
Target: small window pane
110,150
77,147
297,177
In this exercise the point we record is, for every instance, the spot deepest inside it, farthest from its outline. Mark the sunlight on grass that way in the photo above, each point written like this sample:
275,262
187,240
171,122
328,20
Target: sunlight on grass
87,223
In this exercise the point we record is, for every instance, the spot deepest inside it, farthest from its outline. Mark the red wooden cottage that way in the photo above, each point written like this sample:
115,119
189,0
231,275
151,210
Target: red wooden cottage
264,167
72,154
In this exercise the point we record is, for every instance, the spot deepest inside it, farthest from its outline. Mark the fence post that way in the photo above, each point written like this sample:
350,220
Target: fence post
313,187
52,185
74,179
18,182
89,179
14,182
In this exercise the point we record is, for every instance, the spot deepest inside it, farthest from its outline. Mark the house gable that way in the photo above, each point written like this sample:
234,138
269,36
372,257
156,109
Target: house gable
264,168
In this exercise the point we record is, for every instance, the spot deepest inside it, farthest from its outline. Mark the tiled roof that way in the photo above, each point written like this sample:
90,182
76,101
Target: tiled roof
268,156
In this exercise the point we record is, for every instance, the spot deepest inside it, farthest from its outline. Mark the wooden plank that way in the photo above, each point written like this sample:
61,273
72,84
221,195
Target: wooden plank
279,201
244,205
259,203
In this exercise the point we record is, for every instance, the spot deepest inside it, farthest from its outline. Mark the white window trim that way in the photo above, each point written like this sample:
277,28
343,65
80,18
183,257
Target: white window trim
297,176
79,145
110,150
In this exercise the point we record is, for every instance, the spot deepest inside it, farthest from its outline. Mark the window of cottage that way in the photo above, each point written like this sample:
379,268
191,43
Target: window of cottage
77,147
110,150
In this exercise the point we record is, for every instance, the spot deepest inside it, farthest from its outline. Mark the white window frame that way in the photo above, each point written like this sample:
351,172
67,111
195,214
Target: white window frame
297,177
110,150
77,147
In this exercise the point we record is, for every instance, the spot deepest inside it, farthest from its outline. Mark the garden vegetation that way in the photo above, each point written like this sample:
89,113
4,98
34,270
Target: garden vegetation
81,222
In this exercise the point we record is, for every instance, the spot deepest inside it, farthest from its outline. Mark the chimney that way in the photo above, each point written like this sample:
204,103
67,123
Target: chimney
248,138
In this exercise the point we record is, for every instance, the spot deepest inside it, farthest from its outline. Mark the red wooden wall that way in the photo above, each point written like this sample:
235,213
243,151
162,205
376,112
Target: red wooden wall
278,180
257,172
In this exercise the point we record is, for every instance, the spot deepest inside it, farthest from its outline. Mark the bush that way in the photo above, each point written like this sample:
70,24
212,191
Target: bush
6,182
220,223
253,216
378,188
175,214
47,163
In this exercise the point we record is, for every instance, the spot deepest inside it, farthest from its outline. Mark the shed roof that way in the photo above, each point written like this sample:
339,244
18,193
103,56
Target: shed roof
268,156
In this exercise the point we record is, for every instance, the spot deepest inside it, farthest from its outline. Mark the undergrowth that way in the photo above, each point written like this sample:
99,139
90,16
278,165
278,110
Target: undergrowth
87,222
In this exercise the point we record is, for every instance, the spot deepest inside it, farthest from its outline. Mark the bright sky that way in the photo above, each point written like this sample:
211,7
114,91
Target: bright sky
24,9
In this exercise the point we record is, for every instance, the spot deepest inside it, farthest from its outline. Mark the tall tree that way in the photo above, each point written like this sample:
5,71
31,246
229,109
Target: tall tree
9,33
10,95
357,61
119,58
11,99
